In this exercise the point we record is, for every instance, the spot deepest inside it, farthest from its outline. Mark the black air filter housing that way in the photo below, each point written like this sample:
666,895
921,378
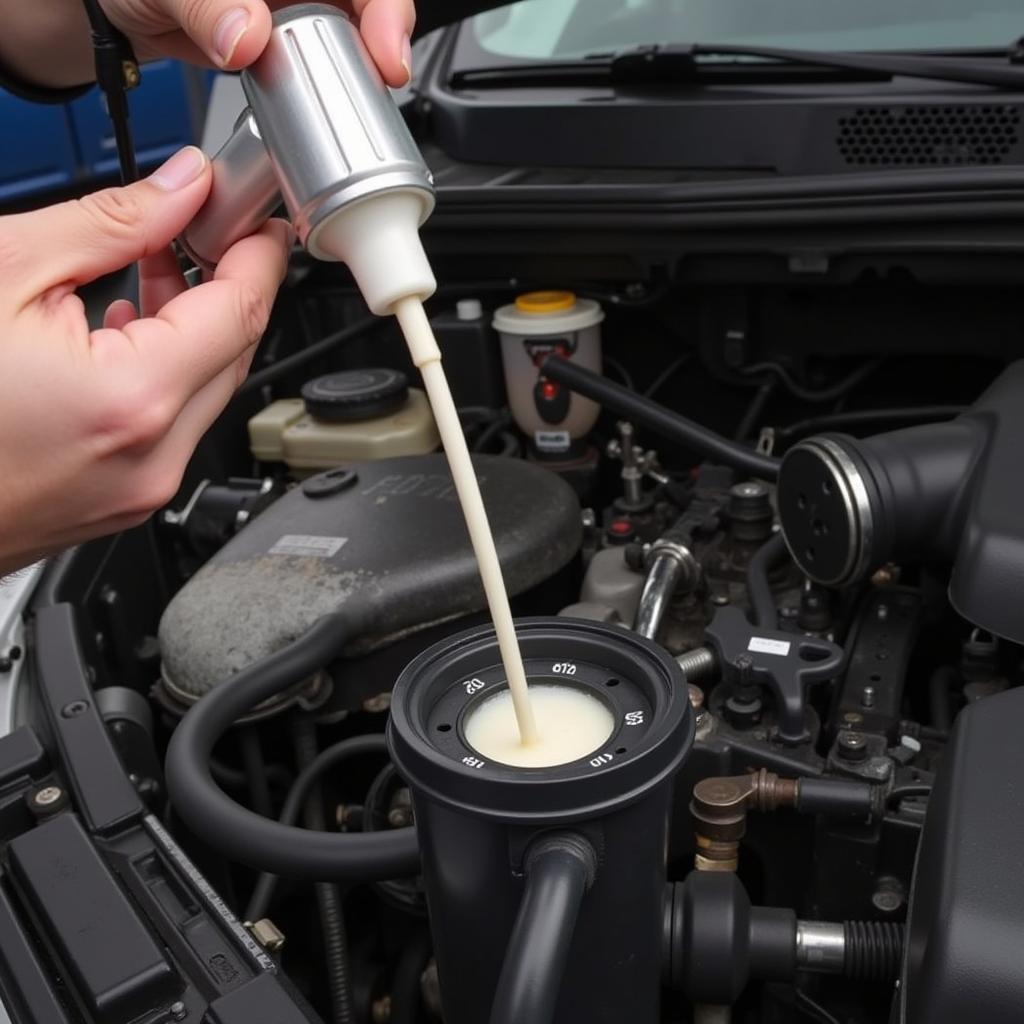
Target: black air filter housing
388,535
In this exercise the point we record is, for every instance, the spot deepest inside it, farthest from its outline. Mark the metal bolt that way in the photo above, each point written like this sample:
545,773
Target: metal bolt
47,796
853,718
696,696
752,489
74,709
867,697
852,746
377,704
878,768
698,663
887,902
882,612
179,1011
267,934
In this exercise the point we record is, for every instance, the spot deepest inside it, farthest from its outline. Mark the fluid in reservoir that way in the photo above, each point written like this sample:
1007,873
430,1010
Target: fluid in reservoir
570,724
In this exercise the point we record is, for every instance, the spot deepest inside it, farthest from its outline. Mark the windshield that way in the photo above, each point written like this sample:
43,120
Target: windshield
542,29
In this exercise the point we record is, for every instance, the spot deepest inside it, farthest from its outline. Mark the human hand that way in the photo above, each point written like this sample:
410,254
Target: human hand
97,427
231,34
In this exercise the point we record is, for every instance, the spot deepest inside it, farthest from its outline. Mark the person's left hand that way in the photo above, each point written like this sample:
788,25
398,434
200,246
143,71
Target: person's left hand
231,34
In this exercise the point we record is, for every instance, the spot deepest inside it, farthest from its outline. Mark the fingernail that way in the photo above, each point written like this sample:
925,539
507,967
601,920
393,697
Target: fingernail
180,170
407,58
230,29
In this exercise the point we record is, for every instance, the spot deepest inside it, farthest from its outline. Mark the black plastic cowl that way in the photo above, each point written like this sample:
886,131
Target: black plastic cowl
934,493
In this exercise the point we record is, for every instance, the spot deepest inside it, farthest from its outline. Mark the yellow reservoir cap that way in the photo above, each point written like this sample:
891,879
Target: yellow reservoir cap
545,302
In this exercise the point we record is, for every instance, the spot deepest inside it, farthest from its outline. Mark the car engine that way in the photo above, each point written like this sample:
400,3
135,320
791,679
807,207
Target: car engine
747,431
814,544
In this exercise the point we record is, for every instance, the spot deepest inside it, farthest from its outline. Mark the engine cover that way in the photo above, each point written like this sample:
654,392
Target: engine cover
388,534
962,960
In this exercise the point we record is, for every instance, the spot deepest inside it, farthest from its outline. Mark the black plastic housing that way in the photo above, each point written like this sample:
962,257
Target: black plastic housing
962,960
715,942
940,492
475,818
386,538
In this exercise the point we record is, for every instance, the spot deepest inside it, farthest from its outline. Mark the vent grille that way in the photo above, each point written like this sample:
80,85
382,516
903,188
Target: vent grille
928,136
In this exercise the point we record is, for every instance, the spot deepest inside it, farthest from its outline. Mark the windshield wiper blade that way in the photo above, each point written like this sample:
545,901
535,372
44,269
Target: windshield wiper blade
679,62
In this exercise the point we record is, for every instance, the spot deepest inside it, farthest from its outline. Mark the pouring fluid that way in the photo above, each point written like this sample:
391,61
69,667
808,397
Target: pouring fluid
427,357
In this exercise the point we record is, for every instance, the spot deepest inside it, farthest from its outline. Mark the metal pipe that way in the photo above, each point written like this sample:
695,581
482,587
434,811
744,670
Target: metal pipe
672,565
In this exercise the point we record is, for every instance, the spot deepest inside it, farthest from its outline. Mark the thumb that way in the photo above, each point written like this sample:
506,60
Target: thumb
232,33
77,241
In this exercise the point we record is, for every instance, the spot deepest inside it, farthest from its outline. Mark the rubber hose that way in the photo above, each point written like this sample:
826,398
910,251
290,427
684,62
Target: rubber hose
940,688
759,588
657,418
234,778
874,951
246,837
558,874
370,743
328,895
255,771
405,985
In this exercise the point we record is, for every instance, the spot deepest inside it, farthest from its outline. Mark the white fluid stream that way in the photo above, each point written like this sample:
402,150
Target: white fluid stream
427,357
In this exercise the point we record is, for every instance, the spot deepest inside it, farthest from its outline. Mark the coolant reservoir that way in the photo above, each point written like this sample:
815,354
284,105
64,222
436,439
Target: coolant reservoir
345,417
536,325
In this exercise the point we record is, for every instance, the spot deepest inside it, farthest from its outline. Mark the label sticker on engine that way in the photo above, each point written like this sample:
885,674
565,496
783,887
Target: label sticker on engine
552,440
763,645
304,544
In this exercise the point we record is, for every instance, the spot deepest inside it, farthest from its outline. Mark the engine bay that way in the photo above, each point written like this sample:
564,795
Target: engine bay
763,484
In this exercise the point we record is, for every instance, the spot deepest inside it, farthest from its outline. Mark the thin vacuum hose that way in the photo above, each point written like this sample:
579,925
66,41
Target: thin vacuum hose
405,986
759,588
354,746
660,420
238,833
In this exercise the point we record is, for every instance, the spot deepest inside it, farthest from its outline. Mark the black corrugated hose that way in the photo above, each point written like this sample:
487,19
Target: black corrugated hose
328,895
874,951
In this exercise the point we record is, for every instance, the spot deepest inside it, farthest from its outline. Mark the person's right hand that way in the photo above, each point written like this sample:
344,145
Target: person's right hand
96,427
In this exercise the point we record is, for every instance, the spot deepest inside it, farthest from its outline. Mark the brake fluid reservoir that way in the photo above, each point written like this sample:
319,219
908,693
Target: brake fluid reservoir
536,325
345,417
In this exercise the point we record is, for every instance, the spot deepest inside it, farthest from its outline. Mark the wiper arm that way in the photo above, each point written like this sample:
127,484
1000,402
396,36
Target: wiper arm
678,62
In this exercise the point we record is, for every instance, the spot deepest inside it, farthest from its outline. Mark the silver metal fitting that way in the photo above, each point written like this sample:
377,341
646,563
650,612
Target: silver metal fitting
820,946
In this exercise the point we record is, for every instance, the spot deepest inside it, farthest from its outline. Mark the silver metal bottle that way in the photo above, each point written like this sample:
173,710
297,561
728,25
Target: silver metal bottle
322,131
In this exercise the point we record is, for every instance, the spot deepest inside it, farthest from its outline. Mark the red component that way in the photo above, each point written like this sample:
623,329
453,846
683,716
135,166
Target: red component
620,527
548,390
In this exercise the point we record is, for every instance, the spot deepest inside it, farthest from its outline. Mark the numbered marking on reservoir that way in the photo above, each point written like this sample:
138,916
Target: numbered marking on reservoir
473,762
564,668
601,759
473,685
634,718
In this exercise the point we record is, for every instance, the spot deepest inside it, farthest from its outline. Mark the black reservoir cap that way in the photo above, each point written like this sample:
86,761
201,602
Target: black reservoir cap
117,968
355,395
